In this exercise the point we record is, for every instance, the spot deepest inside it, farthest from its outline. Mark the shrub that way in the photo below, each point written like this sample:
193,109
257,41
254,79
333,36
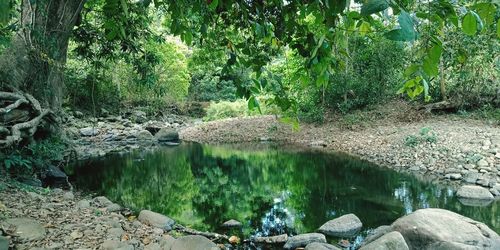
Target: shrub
239,108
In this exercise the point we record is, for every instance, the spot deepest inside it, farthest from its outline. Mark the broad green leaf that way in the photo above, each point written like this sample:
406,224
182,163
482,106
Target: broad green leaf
486,11
427,97
430,67
373,6
213,5
435,52
469,24
406,32
411,70
364,28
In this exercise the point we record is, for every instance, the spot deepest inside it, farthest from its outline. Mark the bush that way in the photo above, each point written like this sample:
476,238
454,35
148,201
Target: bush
239,108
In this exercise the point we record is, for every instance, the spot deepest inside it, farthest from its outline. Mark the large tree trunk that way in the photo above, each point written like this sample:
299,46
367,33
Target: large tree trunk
35,60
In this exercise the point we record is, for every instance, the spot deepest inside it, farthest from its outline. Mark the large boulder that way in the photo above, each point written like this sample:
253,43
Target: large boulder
303,240
156,220
390,241
344,226
474,195
376,233
434,228
167,135
193,242
54,177
232,224
320,246
26,229
144,135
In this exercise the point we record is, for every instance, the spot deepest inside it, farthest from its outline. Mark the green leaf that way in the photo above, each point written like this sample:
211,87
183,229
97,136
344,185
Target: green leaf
486,11
4,12
427,97
124,7
364,28
373,6
406,32
213,5
498,28
435,52
430,67
411,70
469,24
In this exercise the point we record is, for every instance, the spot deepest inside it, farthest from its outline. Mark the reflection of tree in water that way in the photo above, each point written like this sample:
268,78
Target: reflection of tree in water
277,220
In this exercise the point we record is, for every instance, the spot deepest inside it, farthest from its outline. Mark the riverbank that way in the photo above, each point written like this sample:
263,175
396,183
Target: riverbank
446,147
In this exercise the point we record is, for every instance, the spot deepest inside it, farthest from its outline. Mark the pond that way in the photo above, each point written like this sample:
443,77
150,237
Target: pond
271,189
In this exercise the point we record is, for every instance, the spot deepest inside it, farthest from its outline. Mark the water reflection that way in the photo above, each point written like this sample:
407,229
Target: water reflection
270,190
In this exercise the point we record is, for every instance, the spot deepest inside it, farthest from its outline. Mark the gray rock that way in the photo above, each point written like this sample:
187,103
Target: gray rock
83,204
115,233
113,208
434,228
78,114
303,240
376,233
102,201
166,242
278,239
26,229
116,245
156,220
482,163
54,177
193,242
471,177
390,241
69,195
89,131
153,246
321,246
4,243
344,226
167,134
453,176
474,192
144,135
231,224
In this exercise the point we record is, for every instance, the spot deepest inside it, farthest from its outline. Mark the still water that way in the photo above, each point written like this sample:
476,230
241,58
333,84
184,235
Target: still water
271,189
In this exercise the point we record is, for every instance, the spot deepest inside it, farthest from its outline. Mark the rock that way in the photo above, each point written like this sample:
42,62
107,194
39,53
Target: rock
116,245
76,235
156,220
144,135
434,228
390,241
104,112
471,177
231,224
26,229
474,195
78,114
482,163
102,201
321,246
167,134
193,242
453,176
318,144
68,195
83,204
115,233
4,243
376,233
54,177
166,242
278,239
234,240
113,208
153,246
139,116
344,226
303,240
88,131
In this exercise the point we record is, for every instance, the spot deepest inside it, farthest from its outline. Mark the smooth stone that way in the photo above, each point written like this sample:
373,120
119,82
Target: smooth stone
89,131
231,223
68,195
389,241
55,177
474,192
83,204
303,240
115,233
167,134
26,229
156,220
321,246
113,208
193,242
434,228
153,246
344,226
482,163
144,135
376,233
277,239
166,242
102,201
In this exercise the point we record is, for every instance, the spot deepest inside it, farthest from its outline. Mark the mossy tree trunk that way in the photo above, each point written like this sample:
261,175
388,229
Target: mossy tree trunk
35,60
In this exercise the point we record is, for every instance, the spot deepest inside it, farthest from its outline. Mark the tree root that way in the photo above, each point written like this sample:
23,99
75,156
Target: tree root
23,130
210,235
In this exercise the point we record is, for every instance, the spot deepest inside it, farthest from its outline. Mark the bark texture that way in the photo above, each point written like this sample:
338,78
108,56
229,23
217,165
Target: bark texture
34,62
